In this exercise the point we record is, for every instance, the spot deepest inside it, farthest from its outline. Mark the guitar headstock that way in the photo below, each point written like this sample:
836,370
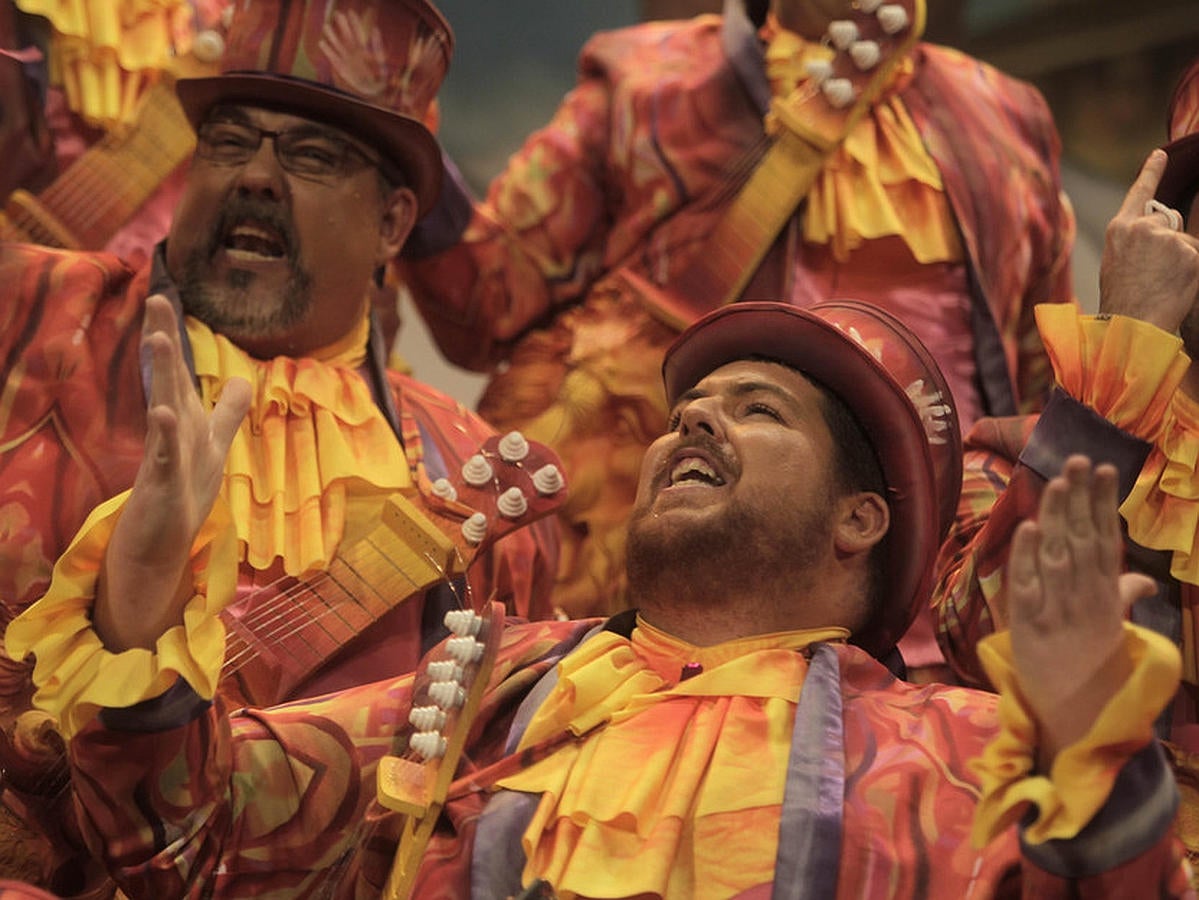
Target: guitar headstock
508,482
446,694
867,47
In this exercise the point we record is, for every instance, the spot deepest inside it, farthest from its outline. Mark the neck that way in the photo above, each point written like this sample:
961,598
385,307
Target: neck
705,617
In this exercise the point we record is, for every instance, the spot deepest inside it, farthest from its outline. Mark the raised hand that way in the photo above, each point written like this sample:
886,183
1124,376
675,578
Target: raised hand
1068,600
1149,271
145,582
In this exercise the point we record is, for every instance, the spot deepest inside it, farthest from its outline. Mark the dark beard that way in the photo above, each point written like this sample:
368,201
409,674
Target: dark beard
224,307
706,564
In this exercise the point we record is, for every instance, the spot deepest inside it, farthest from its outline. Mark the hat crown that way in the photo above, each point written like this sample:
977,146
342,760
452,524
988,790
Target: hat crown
392,54
1184,104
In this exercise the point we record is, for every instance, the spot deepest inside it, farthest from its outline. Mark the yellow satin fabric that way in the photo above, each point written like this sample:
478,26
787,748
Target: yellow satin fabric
1130,372
105,53
75,675
710,755
1081,778
880,181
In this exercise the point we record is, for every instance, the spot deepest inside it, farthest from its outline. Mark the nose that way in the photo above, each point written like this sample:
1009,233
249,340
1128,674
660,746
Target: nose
700,414
262,173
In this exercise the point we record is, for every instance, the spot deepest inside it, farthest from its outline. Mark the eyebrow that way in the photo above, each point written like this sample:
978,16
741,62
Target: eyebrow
234,115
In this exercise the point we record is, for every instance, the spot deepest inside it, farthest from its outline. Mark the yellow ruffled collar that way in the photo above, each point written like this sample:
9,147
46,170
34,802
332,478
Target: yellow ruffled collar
313,449
881,181
693,741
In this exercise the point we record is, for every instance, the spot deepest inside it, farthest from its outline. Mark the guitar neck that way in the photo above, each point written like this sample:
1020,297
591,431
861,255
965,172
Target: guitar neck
297,626
89,202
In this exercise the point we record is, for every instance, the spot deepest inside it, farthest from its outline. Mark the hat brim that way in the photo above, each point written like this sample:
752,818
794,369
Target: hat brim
1181,178
824,353
408,147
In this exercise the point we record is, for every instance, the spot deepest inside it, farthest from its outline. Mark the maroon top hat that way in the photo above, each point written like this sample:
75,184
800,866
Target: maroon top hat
890,382
370,67
1181,178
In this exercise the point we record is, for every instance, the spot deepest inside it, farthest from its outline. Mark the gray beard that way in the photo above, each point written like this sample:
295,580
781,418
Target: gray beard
225,308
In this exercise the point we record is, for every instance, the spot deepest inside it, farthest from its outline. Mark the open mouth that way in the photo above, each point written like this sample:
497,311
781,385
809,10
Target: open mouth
257,240
694,470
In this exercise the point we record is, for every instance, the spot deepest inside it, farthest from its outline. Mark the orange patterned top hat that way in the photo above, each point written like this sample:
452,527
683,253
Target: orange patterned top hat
370,67
890,382
1179,183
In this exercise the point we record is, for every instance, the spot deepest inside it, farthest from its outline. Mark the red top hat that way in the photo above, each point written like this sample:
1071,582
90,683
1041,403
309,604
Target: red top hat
890,382
370,67
1181,178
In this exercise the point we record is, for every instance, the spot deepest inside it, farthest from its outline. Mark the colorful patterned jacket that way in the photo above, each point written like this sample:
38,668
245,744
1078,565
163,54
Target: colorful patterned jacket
72,424
184,800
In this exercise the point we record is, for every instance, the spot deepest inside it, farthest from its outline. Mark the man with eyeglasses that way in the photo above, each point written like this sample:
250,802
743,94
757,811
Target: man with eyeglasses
313,161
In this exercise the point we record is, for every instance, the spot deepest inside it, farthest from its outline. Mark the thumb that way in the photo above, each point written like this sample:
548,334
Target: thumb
1135,586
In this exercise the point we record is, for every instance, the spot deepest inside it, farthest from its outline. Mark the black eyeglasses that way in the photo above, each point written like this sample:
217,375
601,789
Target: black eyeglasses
305,151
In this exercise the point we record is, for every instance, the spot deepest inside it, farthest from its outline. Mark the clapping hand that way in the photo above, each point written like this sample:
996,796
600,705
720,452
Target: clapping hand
145,580
1068,600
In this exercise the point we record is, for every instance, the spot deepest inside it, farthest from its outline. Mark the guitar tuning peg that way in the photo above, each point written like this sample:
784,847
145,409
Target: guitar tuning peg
548,480
477,471
463,622
842,33
429,744
513,447
819,70
208,46
839,92
447,694
512,503
869,6
865,54
446,670
443,489
427,718
892,17
464,649
474,529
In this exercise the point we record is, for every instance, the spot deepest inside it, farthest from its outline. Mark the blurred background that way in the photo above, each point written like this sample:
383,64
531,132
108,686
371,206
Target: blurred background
1106,67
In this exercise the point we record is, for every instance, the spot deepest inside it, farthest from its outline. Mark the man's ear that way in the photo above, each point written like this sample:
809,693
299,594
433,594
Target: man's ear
862,521
397,218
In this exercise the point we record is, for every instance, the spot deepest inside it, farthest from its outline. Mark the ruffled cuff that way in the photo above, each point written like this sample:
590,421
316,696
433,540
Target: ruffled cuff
75,675
1080,782
1125,369
1161,511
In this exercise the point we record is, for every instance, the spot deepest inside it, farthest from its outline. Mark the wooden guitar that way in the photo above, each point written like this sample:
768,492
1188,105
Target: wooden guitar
289,630
292,628
85,206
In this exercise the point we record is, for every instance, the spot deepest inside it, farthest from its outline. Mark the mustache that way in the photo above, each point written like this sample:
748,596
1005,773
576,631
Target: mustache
697,440
266,212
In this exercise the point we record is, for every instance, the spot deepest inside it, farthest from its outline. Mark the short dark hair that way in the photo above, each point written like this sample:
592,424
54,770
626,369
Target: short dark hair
856,467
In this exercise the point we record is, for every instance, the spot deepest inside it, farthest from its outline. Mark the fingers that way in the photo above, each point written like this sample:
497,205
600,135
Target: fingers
1058,563
1145,186
229,411
170,381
